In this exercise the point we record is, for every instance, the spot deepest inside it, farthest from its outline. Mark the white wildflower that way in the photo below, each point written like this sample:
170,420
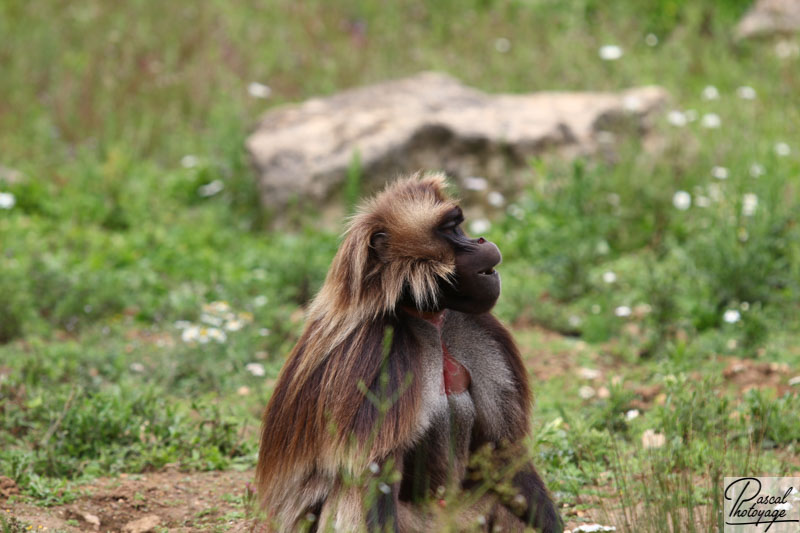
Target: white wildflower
259,90
574,321
710,93
652,439
211,320
682,200
589,373
702,201
651,39
691,115
602,247
190,334
7,200
622,311
182,324
782,149
384,488
217,334
210,189
496,199
475,183
502,45
677,118
257,369
711,121
744,306
609,276
189,161
586,392
630,415
203,336
756,170
263,332
749,204
260,300
479,226
234,325
721,173
745,92
137,367
374,468
794,381
731,316
610,52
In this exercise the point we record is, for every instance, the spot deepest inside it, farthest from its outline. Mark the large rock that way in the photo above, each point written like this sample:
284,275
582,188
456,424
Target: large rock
431,121
769,17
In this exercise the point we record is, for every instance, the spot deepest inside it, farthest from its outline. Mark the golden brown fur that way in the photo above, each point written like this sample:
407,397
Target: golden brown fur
316,407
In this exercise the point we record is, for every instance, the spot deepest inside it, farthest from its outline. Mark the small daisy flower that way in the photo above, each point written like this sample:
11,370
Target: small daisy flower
721,173
586,392
630,415
256,369
475,183
710,93
622,311
711,121
479,226
756,170
782,149
677,118
682,200
190,334
217,335
651,39
731,316
609,277
258,90
746,92
749,204
234,325
496,199
610,52
7,200
702,201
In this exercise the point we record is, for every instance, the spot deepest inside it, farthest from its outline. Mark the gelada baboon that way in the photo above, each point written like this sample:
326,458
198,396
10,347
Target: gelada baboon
457,384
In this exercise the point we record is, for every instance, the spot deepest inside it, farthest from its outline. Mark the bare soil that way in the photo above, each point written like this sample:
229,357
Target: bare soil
157,501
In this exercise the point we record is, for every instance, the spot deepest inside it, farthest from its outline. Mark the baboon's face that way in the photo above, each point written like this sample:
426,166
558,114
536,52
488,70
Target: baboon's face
476,285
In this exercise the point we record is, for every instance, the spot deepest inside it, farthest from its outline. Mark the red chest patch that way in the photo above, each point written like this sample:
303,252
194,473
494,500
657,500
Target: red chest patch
455,377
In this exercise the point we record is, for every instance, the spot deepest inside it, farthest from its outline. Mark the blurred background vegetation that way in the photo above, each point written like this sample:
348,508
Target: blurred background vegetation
115,357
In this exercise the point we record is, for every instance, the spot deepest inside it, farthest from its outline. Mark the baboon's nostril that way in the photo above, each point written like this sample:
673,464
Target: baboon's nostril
481,240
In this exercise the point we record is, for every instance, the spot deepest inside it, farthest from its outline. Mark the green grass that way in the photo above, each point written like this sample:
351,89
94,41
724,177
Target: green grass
110,244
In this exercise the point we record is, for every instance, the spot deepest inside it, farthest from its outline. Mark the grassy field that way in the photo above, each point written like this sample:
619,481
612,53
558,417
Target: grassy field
656,296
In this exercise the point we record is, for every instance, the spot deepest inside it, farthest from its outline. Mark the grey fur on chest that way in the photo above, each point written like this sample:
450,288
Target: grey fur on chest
491,379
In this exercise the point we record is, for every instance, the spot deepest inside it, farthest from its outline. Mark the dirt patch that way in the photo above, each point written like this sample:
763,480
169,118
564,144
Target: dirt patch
746,374
176,501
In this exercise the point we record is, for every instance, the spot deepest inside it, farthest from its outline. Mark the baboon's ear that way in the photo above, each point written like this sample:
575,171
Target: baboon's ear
379,243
